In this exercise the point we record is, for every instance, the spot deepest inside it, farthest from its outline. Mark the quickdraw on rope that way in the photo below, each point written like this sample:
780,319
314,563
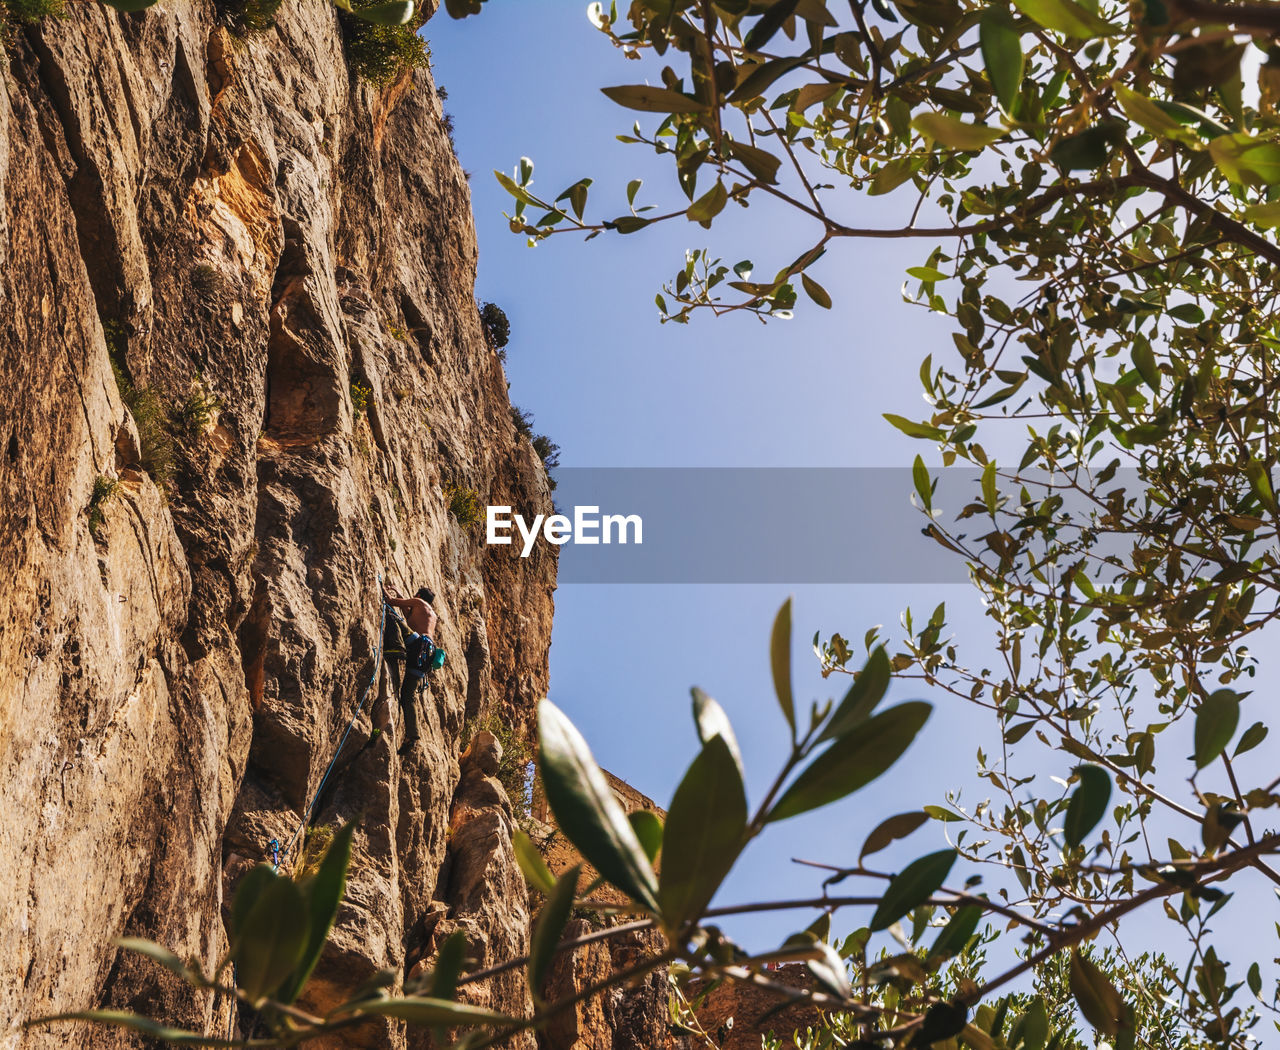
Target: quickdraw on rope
377,666
274,847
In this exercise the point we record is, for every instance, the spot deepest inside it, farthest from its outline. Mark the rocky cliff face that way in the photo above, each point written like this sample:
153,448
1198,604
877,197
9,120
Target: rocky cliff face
255,237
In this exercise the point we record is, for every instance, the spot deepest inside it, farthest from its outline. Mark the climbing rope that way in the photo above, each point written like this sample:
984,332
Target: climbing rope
306,814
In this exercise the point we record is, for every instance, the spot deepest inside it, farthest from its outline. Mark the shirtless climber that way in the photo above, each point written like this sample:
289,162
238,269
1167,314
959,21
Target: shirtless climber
408,650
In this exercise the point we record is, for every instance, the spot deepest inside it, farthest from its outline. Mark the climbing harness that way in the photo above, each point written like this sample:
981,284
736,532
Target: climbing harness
377,666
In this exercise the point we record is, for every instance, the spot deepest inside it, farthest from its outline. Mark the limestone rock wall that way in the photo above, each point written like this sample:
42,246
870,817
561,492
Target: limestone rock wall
253,234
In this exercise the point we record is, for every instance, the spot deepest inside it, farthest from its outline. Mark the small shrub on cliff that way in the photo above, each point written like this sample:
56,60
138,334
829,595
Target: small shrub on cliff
104,490
191,416
464,504
151,416
523,422
252,16
381,53
360,394
497,329
15,12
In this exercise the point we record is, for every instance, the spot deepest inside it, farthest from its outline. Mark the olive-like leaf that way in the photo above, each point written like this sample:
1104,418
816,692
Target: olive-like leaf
653,99
323,892
648,829
956,933
1216,721
854,760
124,1019
532,866
1066,16
829,969
273,938
1099,1001
912,886
711,721
705,831
942,1021
780,663
890,830
450,959
161,955
955,134
868,689
587,811
815,291
1251,738
435,1012
1088,803
1001,54
770,22
548,929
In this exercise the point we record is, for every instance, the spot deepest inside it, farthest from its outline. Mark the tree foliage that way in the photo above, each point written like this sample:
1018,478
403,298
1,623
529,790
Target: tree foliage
1093,184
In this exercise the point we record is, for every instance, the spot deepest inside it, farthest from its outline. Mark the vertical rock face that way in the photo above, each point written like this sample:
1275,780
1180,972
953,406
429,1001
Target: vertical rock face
281,262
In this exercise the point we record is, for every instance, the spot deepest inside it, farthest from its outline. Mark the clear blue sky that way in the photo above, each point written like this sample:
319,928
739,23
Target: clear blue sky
614,388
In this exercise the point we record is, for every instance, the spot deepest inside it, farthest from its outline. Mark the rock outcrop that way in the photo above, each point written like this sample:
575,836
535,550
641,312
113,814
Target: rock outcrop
280,261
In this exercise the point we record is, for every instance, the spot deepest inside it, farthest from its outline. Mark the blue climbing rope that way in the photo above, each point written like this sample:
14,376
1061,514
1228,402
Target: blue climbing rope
306,814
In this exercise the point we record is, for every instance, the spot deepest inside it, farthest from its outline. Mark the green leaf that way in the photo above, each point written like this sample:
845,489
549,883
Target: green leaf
394,13
957,932
759,77
868,689
955,134
1088,149
587,811
160,955
780,663
920,476
549,928
925,273
1253,736
1144,112
653,99
1097,998
711,721
892,175
1001,54
1247,160
518,192
1066,16
942,1021
250,889
705,831
762,164
912,886
815,291
124,1019
770,22
648,829
450,959
890,830
272,938
829,969
532,866
434,1012
709,205
1216,720
1088,803
1035,1025
854,760
323,893
1265,215
913,429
